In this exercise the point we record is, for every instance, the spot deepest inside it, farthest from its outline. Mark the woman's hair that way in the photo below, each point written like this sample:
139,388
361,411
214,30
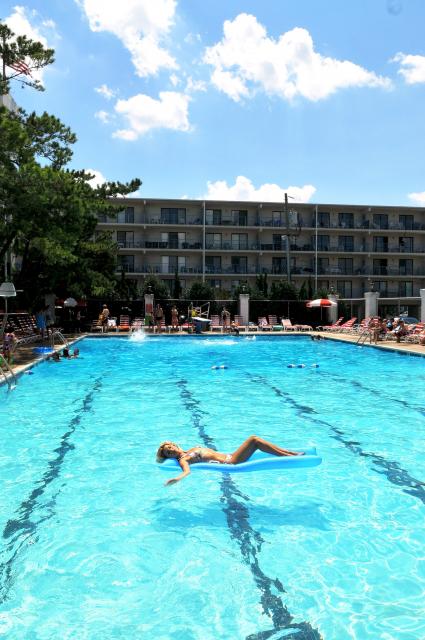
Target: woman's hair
160,457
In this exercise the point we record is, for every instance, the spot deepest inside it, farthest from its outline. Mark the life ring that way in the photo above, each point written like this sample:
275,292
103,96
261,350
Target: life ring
258,462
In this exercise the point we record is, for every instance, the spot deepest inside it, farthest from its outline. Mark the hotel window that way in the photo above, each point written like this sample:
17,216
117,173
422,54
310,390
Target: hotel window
279,265
345,266
405,289
380,244
239,264
240,217
381,286
173,240
213,240
406,222
346,243
405,245
213,264
277,218
126,264
101,217
279,242
213,216
126,216
125,239
380,268
171,264
405,267
322,265
173,215
215,284
240,241
322,243
380,221
323,219
345,288
346,220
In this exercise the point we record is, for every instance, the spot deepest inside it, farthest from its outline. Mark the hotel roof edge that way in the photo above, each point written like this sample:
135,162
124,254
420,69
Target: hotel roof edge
256,203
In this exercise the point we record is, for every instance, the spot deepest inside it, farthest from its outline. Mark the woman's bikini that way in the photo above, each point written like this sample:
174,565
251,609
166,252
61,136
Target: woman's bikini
197,456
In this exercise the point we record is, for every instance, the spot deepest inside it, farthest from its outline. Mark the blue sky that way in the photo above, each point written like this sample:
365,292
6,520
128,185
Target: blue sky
234,99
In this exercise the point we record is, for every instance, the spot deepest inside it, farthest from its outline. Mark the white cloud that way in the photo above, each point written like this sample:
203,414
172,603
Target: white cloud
243,189
20,24
195,85
141,25
175,80
247,59
143,113
105,91
418,197
98,178
192,38
103,116
412,67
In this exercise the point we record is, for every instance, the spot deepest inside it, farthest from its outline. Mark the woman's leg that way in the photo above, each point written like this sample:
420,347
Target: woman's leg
253,443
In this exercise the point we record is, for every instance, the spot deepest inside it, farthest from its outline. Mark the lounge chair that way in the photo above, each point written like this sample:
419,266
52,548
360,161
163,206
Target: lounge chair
240,323
274,323
215,324
287,324
263,324
414,333
96,326
347,327
331,327
124,323
137,324
303,327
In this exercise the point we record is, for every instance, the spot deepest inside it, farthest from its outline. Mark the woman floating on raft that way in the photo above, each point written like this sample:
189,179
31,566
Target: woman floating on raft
203,454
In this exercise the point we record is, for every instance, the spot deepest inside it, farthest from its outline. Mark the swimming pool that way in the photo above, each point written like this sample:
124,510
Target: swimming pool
93,546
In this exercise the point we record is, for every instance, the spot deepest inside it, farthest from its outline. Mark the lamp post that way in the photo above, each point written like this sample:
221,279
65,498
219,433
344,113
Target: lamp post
7,290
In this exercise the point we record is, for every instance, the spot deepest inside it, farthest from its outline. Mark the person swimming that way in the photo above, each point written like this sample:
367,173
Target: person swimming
196,454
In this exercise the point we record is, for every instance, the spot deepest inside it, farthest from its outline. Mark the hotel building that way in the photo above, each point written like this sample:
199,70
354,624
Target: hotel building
349,248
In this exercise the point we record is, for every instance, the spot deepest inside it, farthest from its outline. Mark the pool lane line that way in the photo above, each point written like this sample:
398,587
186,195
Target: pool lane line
379,393
20,530
249,541
391,469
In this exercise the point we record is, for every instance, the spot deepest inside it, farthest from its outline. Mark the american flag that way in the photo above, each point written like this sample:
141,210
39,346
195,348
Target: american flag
21,66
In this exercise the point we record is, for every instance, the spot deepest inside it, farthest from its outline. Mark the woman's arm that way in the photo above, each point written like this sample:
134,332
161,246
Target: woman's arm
186,471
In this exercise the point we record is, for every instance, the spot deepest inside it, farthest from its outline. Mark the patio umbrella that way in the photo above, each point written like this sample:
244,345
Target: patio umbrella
321,302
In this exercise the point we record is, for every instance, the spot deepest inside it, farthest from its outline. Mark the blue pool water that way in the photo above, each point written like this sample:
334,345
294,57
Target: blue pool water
94,547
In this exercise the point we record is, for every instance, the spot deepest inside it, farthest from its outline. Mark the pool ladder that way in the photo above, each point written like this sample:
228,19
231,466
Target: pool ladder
363,337
7,373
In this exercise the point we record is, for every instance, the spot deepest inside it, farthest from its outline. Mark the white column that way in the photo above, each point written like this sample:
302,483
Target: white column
332,311
422,294
244,307
371,303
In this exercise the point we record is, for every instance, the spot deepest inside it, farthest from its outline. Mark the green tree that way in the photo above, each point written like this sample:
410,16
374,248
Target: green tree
152,284
262,285
49,213
20,57
283,290
177,287
201,291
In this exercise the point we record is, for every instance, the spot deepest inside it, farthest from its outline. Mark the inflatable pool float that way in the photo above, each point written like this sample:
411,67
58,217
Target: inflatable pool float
259,461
